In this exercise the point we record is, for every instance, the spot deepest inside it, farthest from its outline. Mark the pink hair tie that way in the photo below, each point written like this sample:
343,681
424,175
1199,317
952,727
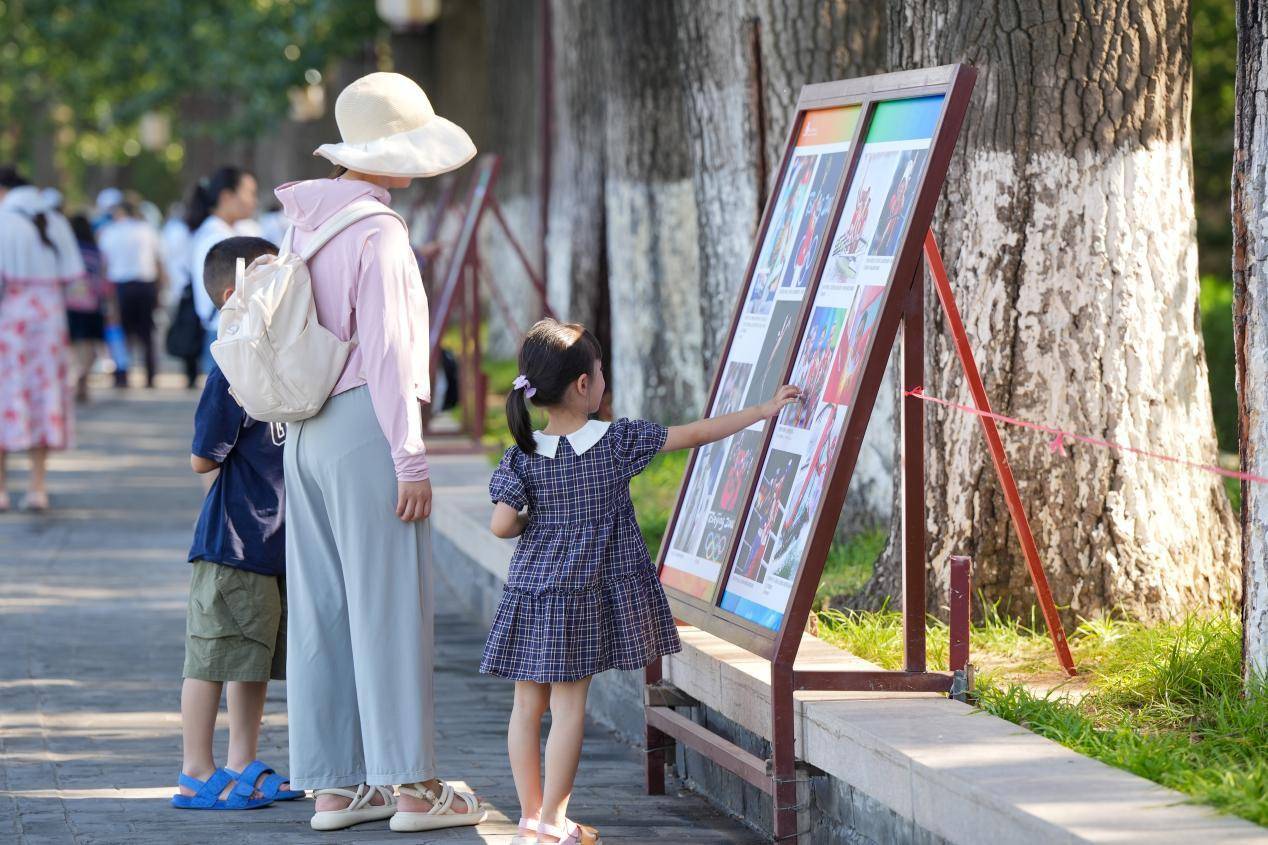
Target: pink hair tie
521,383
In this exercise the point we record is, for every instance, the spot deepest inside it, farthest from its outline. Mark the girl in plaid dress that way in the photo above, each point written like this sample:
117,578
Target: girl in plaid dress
582,595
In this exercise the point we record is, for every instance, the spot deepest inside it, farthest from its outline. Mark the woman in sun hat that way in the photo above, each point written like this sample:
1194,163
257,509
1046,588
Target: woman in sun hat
359,585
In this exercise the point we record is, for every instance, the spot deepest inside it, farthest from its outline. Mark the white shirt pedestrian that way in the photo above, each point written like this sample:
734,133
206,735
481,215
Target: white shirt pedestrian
131,251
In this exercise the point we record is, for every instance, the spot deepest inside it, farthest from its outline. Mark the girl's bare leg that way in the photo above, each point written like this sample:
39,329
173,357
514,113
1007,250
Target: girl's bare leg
524,745
563,749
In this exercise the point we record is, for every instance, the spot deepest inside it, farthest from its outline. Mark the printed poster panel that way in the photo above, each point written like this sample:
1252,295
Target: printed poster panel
758,354
829,359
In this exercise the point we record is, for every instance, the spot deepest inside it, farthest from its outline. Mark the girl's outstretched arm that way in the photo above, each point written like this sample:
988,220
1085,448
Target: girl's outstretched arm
507,521
701,432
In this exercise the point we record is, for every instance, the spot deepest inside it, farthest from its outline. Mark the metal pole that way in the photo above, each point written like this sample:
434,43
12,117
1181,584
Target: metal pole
783,746
1022,525
913,477
655,740
960,597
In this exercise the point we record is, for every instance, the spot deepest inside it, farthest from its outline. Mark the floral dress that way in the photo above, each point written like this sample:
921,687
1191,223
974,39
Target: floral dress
35,391
582,595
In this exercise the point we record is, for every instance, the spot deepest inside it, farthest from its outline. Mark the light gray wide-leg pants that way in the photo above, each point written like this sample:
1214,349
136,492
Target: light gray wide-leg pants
359,595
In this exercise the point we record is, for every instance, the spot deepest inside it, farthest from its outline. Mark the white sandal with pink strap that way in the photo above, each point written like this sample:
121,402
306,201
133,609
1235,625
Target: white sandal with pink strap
526,824
571,833
441,814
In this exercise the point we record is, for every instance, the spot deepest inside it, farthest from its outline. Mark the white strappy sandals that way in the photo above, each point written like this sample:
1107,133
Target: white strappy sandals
360,809
441,814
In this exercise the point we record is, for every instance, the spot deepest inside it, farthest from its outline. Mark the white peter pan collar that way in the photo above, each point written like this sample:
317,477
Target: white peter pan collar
581,440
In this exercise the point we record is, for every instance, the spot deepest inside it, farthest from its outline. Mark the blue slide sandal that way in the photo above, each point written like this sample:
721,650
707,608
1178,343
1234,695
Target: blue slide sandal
207,794
270,787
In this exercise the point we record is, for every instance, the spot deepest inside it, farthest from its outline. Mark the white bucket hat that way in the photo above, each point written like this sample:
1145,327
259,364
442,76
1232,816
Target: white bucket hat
389,129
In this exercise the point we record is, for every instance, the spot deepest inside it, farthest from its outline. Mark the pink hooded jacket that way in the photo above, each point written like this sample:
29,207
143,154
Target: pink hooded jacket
366,283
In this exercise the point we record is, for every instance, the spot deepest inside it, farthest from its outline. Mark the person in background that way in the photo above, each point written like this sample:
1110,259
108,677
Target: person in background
273,223
38,258
130,247
107,199
223,206
185,333
86,301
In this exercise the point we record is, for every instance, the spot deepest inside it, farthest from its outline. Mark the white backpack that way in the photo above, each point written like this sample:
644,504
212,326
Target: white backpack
281,364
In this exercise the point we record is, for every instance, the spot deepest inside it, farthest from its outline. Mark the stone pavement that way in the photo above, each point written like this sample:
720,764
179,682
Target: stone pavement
92,603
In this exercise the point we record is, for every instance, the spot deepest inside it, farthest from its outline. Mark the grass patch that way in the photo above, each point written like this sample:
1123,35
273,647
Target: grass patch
654,492
1162,701
849,565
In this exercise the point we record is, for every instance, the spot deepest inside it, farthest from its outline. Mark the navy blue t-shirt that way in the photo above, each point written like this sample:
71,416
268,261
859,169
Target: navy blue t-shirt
241,521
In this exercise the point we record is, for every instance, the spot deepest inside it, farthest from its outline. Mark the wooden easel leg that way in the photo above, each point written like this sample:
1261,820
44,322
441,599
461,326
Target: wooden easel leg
655,741
783,754
933,258
913,478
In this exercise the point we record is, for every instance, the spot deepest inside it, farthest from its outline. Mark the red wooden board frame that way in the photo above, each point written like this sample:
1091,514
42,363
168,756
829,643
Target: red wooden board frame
954,83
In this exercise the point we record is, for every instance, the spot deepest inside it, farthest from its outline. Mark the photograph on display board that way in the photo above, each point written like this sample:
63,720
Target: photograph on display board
807,489
765,516
772,360
814,221
814,359
699,497
857,227
853,347
731,390
898,202
779,236
720,523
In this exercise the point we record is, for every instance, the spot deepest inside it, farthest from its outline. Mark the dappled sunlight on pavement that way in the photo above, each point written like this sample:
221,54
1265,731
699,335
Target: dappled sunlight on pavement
92,616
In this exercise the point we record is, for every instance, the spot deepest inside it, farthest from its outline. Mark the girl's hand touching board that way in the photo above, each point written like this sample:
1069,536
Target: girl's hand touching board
710,430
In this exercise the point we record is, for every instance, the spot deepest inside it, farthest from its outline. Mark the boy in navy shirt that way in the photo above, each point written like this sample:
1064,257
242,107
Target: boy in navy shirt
236,622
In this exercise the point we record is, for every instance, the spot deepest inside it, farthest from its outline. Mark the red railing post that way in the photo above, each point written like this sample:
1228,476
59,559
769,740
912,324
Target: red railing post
960,599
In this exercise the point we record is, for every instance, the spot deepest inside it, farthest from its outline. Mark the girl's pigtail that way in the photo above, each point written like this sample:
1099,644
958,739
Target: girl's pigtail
41,226
521,424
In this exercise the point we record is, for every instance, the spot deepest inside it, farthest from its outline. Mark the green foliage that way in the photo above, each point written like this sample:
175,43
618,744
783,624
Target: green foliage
1216,306
1214,76
849,565
654,492
90,70
1163,701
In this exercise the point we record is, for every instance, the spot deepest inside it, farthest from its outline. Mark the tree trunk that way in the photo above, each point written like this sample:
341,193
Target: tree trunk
576,243
649,197
1068,227
1250,321
514,39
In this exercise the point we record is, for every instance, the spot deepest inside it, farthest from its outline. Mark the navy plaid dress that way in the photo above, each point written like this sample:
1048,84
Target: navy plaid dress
582,595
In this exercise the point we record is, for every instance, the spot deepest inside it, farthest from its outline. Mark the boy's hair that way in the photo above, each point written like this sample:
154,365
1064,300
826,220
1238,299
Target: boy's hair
220,267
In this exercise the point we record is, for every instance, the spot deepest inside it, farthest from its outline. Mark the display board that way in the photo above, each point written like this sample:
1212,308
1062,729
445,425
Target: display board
823,293
757,353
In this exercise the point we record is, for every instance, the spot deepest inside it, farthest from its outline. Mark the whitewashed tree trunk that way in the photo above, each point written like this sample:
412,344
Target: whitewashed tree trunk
576,245
1250,322
1068,227
653,268
513,36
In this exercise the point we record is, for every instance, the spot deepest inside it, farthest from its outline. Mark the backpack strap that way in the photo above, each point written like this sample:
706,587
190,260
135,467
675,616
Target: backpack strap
353,213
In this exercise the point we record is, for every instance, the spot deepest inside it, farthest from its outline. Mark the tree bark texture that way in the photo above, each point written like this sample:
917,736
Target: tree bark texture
649,199
1250,320
513,36
576,243
1067,224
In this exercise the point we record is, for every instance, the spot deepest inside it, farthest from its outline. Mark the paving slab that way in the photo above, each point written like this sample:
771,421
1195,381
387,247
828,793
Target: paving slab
92,604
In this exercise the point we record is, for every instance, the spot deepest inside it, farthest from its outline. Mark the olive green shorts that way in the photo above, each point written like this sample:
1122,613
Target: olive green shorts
235,629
